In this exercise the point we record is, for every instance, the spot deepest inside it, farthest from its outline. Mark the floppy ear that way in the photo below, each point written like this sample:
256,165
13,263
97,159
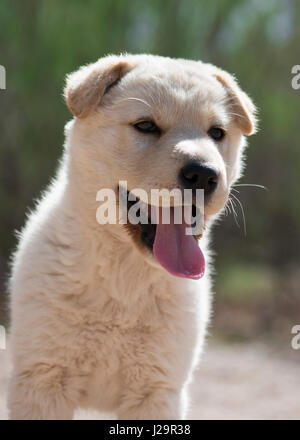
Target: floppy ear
85,87
241,105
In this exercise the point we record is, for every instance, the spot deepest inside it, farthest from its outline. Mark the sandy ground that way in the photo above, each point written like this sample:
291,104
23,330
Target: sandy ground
232,382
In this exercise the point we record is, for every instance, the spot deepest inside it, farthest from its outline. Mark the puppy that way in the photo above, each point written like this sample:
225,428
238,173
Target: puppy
113,316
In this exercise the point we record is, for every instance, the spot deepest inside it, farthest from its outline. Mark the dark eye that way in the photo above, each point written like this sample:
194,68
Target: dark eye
216,133
147,127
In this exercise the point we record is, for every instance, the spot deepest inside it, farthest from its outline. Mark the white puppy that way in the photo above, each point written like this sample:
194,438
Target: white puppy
113,316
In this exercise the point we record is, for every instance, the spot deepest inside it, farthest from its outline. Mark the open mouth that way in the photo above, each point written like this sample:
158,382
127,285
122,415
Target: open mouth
176,251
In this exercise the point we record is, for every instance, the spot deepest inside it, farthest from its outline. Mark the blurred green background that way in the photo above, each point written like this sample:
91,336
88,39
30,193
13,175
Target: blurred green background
258,276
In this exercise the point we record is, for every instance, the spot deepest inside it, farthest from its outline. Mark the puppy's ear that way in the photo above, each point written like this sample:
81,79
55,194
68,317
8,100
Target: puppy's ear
241,106
85,88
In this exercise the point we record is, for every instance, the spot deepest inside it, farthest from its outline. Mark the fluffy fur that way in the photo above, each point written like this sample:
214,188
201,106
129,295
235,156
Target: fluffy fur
96,322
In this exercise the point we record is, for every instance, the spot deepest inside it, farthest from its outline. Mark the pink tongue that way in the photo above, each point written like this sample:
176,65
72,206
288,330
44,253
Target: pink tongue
176,251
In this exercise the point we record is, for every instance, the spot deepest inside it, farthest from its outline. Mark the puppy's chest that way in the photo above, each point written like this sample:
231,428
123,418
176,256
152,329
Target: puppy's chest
111,319
113,330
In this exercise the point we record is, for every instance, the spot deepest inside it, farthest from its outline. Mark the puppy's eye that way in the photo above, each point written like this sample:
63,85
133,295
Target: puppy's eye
147,127
216,133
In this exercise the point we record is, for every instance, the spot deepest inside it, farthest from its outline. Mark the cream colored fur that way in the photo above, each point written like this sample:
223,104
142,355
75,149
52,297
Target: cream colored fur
96,322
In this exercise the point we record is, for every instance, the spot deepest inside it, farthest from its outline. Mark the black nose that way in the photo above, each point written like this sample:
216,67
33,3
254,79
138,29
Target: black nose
197,176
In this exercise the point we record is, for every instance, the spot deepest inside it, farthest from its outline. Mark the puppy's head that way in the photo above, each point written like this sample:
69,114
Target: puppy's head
159,123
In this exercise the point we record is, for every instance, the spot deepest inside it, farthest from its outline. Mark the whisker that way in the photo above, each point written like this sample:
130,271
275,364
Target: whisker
237,114
226,210
243,213
136,99
252,184
234,212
